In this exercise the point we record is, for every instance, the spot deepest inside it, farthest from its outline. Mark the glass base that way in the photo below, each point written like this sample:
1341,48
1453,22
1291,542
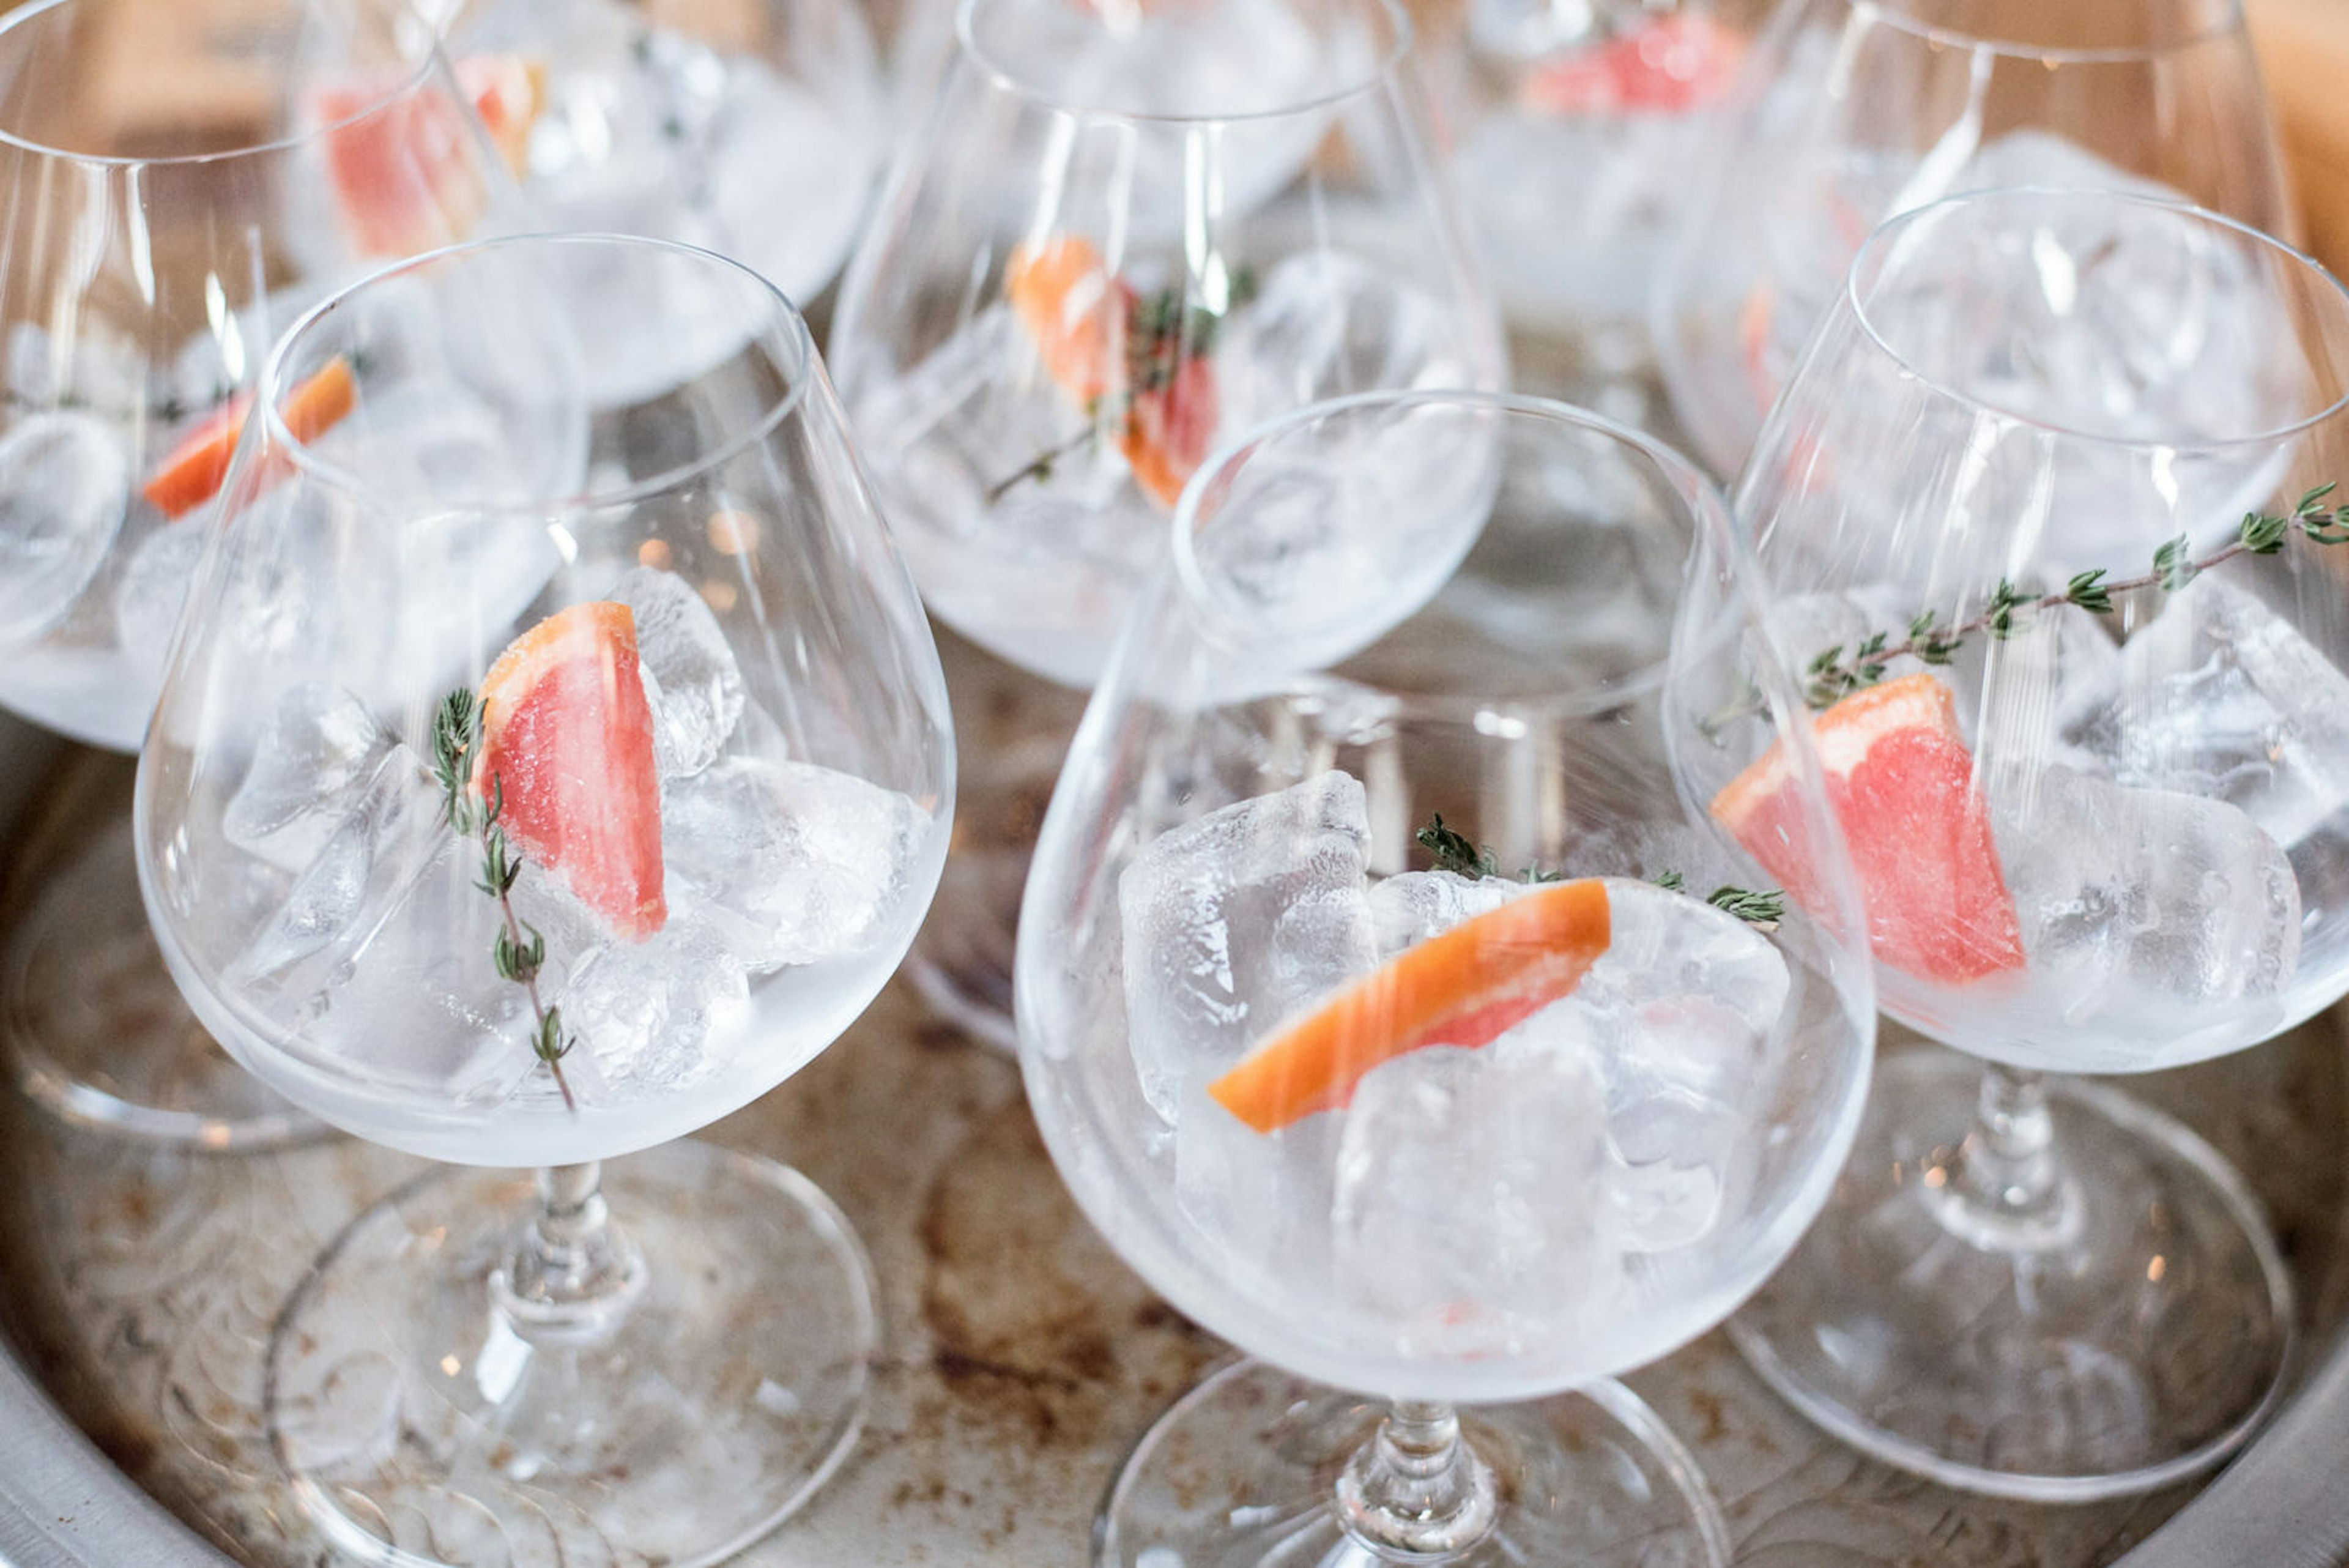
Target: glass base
1013,729
97,1033
961,962
420,1428
1242,1472
2137,1342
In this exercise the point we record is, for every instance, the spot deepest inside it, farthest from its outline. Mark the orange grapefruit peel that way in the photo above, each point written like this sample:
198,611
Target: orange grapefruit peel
1463,987
566,754
1899,779
194,470
509,93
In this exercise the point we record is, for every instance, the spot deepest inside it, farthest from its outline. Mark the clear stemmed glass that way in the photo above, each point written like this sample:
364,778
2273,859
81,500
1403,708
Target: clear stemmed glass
1629,1102
1121,235
1573,128
1851,111
755,130
171,209
553,904
2040,481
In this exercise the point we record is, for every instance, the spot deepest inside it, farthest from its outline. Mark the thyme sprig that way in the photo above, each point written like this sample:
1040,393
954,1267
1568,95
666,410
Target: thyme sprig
519,950
1835,673
1453,851
1162,331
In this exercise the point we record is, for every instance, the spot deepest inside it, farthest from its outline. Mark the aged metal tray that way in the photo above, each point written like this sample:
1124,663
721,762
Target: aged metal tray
137,1285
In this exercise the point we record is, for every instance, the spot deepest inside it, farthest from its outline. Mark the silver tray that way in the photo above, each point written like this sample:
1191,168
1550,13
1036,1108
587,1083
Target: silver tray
1021,1358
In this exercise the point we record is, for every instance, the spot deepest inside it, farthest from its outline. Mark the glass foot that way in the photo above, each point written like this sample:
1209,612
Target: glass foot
1014,729
420,1427
95,1031
2138,1342
961,962
1243,1471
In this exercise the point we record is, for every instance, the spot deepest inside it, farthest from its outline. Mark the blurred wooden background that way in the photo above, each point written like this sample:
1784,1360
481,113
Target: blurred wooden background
2304,52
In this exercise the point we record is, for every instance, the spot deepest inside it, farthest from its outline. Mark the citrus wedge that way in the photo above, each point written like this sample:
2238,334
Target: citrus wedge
1170,428
1076,311
567,738
1669,64
509,93
400,166
1080,316
1900,781
192,472
1465,987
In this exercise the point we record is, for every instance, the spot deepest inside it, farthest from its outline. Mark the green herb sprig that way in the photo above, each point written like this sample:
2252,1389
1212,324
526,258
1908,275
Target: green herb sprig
1453,851
519,950
1162,332
1837,673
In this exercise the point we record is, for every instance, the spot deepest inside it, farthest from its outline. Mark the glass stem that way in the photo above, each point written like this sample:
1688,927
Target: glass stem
573,1275
2011,1189
1416,1488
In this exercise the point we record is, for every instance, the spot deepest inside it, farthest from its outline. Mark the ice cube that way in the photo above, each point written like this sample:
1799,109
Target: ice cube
382,950
2114,318
408,993
388,830
1236,920
421,1007
1678,1015
320,742
65,482
2221,697
1470,1196
948,435
701,688
1574,210
1412,906
1653,851
1327,324
645,1011
2126,894
795,862
788,175
1805,625
1261,1200
153,589
650,130
2028,694
1348,536
1229,93
88,365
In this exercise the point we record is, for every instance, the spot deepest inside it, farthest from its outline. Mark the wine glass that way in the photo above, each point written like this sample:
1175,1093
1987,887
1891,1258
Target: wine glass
175,201
1572,128
530,789
1486,1128
1851,112
756,129
2048,481
1123,234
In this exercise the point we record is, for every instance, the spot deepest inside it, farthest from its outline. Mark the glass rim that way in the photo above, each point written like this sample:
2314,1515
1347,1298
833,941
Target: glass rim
1382,73
774,301
1893,229
1896,15
428,62
1711,523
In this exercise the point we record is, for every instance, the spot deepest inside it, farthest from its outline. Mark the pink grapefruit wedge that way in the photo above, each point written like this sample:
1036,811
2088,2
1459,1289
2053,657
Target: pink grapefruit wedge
567,736
1665,65
1900,780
